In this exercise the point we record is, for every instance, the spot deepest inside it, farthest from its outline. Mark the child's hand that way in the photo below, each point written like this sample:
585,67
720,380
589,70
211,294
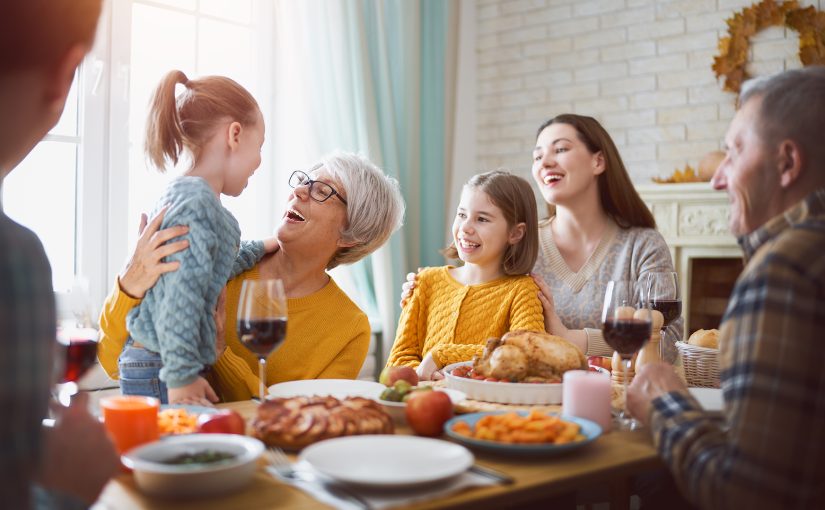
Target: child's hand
271,245
408,287
197,393
427,368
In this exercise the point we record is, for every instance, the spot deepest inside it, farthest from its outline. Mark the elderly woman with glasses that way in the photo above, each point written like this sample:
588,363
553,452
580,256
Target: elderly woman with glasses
339,211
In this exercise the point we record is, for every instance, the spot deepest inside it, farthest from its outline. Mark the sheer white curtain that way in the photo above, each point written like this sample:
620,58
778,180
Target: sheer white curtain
374,77
324,102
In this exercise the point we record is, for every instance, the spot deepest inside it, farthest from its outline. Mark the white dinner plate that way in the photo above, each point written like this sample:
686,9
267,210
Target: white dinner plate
388,461
709,398
338,388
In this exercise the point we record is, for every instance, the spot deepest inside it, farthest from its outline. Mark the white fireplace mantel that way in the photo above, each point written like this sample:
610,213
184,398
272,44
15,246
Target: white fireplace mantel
693,218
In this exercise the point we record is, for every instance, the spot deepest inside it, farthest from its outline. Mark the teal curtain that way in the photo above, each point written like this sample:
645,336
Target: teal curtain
378,87
433,126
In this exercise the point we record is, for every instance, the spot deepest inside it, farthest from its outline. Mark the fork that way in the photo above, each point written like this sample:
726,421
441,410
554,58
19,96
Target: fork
280,463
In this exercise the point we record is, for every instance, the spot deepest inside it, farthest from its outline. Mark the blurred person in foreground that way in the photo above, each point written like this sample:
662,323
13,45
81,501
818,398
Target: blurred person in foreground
41,44
766,449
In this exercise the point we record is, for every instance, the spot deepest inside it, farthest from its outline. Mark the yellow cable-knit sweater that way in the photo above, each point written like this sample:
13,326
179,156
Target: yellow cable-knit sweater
453,321
327,337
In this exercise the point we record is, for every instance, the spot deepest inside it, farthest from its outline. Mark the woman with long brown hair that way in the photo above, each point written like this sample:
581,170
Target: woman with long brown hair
598,229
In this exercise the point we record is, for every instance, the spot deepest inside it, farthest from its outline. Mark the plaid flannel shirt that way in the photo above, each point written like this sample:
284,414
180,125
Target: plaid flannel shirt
767,449
27,340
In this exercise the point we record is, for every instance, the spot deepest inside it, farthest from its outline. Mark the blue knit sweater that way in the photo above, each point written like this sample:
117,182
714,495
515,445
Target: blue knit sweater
175,317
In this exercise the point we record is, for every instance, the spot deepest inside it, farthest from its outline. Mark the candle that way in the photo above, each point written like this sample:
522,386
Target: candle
587,395
130,420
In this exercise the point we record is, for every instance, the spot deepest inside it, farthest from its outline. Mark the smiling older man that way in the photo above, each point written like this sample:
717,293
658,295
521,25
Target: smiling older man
767,449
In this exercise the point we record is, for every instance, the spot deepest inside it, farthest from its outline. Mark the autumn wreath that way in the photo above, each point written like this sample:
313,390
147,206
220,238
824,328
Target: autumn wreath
733,49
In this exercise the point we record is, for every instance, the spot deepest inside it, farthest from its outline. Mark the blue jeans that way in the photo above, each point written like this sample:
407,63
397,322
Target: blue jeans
140,373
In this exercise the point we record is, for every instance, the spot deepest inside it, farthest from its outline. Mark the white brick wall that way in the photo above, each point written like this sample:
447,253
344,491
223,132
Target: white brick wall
641,67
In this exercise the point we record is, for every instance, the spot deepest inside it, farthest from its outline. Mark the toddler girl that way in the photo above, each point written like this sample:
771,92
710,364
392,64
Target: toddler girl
219,126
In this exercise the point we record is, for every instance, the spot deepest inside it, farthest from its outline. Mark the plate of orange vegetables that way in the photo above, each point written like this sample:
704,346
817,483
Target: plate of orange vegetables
522,432
180,418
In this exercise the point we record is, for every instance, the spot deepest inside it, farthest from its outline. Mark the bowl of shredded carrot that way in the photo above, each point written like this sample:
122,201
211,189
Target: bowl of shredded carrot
180,419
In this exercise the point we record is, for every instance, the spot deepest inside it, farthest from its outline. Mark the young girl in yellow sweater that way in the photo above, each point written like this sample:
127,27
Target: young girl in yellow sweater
455,309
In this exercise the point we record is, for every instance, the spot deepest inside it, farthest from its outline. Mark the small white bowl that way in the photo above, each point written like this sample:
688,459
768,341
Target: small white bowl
398,410
157,478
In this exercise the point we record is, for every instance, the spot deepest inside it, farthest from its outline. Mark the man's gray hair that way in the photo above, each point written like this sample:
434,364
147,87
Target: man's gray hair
375,207
793,107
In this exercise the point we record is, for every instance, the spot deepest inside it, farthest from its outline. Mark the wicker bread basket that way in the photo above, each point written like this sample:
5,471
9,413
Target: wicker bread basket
701,365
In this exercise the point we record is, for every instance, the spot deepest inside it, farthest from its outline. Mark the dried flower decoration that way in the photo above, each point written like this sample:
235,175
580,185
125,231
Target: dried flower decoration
733,49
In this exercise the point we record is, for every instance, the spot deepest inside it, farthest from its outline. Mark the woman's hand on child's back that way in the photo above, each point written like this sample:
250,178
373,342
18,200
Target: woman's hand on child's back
146,264
552,323
197,393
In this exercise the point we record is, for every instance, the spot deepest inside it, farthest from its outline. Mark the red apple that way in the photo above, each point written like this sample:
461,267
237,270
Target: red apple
391,374
427,411
224,421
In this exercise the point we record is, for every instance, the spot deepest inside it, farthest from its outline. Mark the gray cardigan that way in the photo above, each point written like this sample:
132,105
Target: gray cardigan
175,317
622,254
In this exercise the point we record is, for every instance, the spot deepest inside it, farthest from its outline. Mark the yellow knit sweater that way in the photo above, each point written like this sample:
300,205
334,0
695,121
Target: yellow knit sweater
327,337
454,321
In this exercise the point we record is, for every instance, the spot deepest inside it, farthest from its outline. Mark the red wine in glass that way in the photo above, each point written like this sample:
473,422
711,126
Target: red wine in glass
80,355
76,354
626,323
262,336
261,321
671,309
626,336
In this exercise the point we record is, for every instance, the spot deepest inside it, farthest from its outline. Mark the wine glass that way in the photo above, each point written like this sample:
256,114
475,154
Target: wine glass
262,320
626,327
77,352
663,288
76,339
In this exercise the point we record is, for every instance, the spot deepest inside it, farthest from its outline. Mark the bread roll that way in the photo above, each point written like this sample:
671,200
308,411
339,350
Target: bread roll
705,338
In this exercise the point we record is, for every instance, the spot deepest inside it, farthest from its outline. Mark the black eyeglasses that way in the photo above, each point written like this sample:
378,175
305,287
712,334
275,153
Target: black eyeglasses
318,190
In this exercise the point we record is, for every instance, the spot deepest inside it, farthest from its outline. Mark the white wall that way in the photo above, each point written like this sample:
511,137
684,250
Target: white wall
641,67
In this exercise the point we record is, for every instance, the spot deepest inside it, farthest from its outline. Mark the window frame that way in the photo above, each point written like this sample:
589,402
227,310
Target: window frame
103,225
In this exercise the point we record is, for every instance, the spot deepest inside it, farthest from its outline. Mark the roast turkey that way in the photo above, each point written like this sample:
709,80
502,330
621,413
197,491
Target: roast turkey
525,356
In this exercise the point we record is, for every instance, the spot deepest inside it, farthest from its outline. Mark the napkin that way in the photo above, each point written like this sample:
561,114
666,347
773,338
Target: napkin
380,499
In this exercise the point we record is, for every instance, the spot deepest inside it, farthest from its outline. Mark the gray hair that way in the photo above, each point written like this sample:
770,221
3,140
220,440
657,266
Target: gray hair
375,207
793,106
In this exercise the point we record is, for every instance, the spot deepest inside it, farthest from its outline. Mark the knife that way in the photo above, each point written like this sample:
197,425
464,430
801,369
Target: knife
492,474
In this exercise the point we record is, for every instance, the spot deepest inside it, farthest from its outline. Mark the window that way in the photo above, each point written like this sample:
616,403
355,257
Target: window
82,188
41,193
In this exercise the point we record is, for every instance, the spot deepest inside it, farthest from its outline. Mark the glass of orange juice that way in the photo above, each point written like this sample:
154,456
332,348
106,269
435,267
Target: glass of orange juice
130,420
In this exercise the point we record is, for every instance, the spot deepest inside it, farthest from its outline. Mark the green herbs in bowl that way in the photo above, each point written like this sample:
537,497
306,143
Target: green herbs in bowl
201,457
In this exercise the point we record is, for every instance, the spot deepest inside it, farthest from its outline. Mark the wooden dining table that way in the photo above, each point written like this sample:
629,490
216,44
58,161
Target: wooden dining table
606,465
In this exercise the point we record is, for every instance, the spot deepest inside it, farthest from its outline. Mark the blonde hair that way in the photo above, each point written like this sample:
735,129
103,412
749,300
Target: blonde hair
514,196
375,207
186,122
